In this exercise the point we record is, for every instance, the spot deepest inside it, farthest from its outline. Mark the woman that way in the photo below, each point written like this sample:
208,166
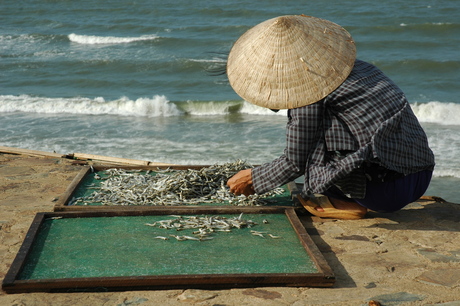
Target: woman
351,131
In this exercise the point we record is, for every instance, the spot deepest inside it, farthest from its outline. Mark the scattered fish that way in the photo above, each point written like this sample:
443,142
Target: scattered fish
161,237
54,218
179,238
257,233
203,226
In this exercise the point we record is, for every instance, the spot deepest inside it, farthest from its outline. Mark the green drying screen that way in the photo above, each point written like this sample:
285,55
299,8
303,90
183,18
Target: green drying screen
128,246
90,184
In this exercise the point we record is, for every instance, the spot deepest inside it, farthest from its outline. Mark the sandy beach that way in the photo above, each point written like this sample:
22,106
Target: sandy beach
411,257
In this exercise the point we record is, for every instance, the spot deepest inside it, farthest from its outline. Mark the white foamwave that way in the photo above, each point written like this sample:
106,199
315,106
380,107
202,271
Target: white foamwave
205,108
158,106
444,140
211,60
446,172
252,109
431,23
93,40
209,107
432,112
437,112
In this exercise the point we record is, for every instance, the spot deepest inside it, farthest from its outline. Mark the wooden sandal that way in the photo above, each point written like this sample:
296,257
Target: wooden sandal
329,210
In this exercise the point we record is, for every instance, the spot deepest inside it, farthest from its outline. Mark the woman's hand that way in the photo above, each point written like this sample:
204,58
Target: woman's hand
241,183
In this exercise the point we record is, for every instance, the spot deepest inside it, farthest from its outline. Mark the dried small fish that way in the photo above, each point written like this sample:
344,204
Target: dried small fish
161,237
179,238
257,233
191,238
171,187
204,225
54,218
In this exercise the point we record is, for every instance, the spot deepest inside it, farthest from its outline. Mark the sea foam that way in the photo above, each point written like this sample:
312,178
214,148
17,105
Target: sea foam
93,40
157,106
432,112
437,112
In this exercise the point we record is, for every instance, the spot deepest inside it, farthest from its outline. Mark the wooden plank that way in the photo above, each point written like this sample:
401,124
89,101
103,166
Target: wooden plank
20,259
151,167
309,245
112,211
115,160
67,195
202,281
81,156
10,150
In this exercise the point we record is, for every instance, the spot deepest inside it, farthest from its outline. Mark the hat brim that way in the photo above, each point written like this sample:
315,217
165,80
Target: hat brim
290,61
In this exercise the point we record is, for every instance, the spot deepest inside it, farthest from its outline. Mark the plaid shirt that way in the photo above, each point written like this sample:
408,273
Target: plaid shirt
366,119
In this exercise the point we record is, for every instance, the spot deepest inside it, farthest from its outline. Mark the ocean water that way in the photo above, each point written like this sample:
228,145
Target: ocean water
137,79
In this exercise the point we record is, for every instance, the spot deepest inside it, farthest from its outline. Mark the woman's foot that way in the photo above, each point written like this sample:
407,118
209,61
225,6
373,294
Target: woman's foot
345,205
323,207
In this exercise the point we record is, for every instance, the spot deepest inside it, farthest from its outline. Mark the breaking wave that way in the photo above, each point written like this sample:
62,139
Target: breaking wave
94,40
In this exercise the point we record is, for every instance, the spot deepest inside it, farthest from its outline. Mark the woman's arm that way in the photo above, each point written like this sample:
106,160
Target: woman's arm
302,134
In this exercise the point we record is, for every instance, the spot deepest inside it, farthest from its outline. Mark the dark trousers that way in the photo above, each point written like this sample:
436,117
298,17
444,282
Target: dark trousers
390,196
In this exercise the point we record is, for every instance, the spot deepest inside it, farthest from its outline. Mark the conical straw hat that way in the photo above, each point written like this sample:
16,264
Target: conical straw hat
290,61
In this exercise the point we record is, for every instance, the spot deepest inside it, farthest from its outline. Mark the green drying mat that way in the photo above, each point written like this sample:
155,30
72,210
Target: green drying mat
86,183
113,251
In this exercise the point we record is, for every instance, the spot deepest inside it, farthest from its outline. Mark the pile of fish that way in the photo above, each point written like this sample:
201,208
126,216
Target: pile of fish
171,187
205,226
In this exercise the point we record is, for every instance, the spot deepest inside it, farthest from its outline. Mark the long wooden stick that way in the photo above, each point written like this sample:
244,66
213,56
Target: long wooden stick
81,156
116,160
10,150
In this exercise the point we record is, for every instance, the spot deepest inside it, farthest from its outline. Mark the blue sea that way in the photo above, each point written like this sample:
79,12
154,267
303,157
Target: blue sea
137,78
